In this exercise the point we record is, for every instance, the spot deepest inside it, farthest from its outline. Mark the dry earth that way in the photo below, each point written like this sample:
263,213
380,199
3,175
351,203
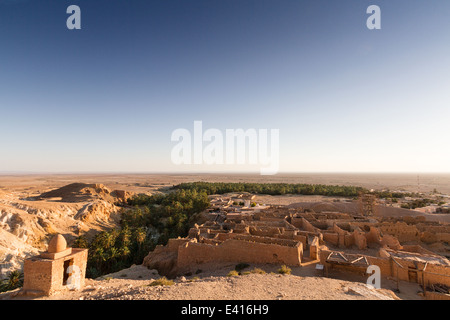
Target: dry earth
302,284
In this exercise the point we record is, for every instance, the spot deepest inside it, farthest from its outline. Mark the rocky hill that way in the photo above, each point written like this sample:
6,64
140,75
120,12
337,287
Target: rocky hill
27,222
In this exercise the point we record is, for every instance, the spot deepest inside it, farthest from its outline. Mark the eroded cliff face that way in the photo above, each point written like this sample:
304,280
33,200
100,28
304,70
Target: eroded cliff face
27,223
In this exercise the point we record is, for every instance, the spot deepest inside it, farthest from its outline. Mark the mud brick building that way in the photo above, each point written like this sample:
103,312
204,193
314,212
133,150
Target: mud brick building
60,268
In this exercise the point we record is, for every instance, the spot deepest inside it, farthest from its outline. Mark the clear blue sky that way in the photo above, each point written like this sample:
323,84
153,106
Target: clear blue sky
107,97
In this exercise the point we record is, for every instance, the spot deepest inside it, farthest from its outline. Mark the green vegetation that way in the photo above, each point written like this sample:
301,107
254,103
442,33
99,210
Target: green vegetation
236,272
13,281
286,188
258,271
418,203
193,279
395,195
152,221
271,188
161,282
284,270
233,273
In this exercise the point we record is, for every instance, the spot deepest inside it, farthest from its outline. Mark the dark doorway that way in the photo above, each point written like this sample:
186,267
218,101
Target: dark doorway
66,275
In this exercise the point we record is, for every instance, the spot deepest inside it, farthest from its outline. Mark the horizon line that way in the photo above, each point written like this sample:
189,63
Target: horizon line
6,173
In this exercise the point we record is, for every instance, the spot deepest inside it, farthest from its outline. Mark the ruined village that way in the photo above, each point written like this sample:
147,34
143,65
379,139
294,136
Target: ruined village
329,240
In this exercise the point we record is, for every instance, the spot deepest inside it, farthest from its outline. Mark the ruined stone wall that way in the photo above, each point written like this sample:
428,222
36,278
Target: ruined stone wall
431,237
297,222
373,236
331,237
402,231
436,296
266,232
301,238
390,242
268,219
288,234
314,249
437,274
344,225
210,241
433,228
308,234
233,250
417,249
279,223
241,228
306,225
360,239
385,264
412,272
349,240
320,224
343,239
335,215
266,240
194,233
173,244
412,220
444,237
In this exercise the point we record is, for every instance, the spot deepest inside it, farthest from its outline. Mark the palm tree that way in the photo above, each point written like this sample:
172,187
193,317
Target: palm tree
140,235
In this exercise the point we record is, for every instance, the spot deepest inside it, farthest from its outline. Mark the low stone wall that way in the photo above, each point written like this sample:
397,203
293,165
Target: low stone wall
331,237
266,240
303,224
360,239
234,250
436,296
401,230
